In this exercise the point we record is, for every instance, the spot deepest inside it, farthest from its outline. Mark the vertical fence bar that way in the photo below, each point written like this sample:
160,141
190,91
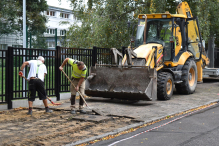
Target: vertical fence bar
2,76
3,57
9,77
55,37
58,73
94,56
23,80
7,97
49,76
19,94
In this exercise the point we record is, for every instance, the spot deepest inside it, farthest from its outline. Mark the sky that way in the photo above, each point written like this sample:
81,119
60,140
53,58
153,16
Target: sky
64,3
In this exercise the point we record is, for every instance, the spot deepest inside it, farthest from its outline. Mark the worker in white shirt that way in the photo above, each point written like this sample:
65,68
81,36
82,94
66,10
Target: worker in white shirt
36,76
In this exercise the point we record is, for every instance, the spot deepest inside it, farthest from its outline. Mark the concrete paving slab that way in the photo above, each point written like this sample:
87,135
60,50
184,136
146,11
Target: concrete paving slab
90,118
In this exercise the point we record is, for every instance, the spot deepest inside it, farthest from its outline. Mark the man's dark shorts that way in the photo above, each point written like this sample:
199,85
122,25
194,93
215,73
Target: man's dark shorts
36,85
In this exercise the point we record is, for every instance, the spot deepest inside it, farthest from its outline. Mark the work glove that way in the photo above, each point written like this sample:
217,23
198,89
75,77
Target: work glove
20,73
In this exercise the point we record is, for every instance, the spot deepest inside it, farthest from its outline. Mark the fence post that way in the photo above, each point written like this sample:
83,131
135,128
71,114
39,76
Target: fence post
94,56
9,77
58,73
56,37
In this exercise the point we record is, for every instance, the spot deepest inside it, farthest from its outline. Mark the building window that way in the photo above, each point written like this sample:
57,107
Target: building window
66,15
50,13
62,32
63,15
3,46
17,46
51,44
50,31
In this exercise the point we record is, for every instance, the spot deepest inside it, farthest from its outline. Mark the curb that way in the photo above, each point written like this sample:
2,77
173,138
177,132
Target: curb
132,126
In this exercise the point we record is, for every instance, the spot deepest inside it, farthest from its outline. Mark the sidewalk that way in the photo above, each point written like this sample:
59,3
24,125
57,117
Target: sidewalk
120,116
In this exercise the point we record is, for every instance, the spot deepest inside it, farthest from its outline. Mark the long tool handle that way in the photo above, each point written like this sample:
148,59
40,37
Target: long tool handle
75,87
25,78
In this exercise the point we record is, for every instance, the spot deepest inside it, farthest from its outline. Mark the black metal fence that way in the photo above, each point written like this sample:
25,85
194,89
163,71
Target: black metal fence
18,87
13,87
3,54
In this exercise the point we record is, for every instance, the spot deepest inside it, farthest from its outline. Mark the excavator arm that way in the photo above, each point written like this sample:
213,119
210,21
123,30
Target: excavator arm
183,8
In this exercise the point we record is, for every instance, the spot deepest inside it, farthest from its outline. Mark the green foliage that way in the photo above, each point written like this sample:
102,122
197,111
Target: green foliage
8,15
104,22
36,22
105,25
11,16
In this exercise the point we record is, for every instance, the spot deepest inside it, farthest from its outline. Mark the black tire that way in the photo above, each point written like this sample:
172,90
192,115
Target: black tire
164,87
186,87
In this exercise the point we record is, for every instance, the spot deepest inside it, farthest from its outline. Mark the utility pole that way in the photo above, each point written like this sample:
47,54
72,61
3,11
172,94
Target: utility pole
24,24
24,39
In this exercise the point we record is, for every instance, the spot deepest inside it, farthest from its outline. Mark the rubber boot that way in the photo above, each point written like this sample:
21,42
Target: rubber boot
81,109
48,110
73,104
29,112
73,111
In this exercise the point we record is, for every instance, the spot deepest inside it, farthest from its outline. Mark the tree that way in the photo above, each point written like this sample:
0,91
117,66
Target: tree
104,22
8,17
36,22
11,16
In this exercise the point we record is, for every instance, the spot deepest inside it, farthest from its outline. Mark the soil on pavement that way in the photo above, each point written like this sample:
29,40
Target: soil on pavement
57,128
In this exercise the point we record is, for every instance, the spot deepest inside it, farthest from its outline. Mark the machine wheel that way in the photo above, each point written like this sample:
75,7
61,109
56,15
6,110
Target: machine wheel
164,86
189,78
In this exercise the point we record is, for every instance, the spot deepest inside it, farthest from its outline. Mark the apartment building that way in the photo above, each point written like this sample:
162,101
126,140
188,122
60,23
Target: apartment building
55,16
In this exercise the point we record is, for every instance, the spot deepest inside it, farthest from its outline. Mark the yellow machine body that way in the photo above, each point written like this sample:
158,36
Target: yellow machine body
164,48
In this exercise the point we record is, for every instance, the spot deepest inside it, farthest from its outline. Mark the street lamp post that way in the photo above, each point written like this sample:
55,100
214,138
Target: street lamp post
24,39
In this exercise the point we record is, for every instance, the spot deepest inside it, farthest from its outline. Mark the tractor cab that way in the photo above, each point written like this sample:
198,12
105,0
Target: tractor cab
169,31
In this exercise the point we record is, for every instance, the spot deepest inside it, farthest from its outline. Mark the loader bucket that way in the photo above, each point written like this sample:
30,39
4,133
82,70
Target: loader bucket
123,83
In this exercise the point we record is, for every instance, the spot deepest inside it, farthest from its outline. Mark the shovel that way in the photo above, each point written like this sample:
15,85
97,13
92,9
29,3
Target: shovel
95,111
46,96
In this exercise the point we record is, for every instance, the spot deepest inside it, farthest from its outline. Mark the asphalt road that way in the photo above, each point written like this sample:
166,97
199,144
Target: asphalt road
198,129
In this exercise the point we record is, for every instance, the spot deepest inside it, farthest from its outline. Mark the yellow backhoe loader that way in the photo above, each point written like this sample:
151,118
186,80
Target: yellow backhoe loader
168,50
